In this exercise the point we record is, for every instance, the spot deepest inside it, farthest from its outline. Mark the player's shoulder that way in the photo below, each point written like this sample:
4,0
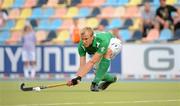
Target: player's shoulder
100,33
103,36
80,43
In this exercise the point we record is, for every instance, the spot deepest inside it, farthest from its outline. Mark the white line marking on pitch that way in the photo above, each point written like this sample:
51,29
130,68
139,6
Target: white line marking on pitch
92,103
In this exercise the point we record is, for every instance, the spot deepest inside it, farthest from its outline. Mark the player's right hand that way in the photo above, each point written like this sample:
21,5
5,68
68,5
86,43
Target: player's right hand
74,81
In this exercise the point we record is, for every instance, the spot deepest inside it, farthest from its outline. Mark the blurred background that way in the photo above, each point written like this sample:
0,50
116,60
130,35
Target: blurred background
151,39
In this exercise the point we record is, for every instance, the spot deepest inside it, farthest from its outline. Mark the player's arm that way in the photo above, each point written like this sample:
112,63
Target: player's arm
84,68
82,62
89,65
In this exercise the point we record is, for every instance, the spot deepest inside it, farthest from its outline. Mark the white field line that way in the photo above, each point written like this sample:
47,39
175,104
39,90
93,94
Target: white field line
93,103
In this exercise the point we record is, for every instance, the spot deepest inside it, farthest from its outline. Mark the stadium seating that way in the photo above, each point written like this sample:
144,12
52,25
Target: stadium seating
125,35
37,13
165,34
18,3
19,24
177,34
30,3
71,12
135,2
15,37
137,35
14,13
33,23
136,24
83,12
122,2
25,13
7,3
44,24
51,35
63,36
55,16
115,23
86,3
111,3
97,3
41,35
95,12
9,24
52,3
127,23
55,24
48,12
59,13
4,36
105,12
119,12
104,22
171,2
92,22
66,23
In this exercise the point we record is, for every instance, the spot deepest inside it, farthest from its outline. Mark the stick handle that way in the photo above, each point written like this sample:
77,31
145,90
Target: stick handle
52,86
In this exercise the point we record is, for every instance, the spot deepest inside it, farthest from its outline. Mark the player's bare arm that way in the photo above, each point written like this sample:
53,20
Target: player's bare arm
84,69
82,62
88,66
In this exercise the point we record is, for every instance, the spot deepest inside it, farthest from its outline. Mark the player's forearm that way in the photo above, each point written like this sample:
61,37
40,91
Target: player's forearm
85,69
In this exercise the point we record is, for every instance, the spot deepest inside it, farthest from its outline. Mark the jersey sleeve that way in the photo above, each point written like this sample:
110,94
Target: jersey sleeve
81,50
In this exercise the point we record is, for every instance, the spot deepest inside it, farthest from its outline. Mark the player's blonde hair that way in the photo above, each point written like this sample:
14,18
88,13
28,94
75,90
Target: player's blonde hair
87,29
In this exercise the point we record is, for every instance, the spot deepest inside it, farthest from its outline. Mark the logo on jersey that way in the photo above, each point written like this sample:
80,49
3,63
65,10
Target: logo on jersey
97,44
102,49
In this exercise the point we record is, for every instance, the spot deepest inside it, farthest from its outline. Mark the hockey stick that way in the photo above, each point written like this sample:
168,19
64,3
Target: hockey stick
23,88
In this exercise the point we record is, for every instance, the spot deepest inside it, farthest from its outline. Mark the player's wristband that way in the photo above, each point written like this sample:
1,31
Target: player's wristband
76,80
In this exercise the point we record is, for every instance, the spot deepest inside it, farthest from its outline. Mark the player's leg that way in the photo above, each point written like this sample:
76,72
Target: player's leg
101,70
33,64
25,64
107,80
115,47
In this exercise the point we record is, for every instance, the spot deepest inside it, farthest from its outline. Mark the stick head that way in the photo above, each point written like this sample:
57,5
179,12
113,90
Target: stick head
25,88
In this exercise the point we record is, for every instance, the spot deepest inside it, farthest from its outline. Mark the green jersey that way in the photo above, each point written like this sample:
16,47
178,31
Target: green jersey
100,44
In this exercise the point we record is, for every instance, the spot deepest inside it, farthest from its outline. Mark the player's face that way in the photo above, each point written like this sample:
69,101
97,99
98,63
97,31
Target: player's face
87,39
163,2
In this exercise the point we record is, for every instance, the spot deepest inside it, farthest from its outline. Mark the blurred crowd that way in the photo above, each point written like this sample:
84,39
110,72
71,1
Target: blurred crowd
153,22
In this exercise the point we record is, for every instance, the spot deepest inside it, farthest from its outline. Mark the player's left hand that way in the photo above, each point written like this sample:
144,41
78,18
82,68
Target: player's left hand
74,81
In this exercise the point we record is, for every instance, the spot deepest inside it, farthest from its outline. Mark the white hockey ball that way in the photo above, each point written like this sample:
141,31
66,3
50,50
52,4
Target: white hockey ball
37,89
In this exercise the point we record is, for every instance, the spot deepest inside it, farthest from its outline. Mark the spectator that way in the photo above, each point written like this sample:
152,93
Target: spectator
28,52
75,32
164,15
148,17
177,21
3,17
153,34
